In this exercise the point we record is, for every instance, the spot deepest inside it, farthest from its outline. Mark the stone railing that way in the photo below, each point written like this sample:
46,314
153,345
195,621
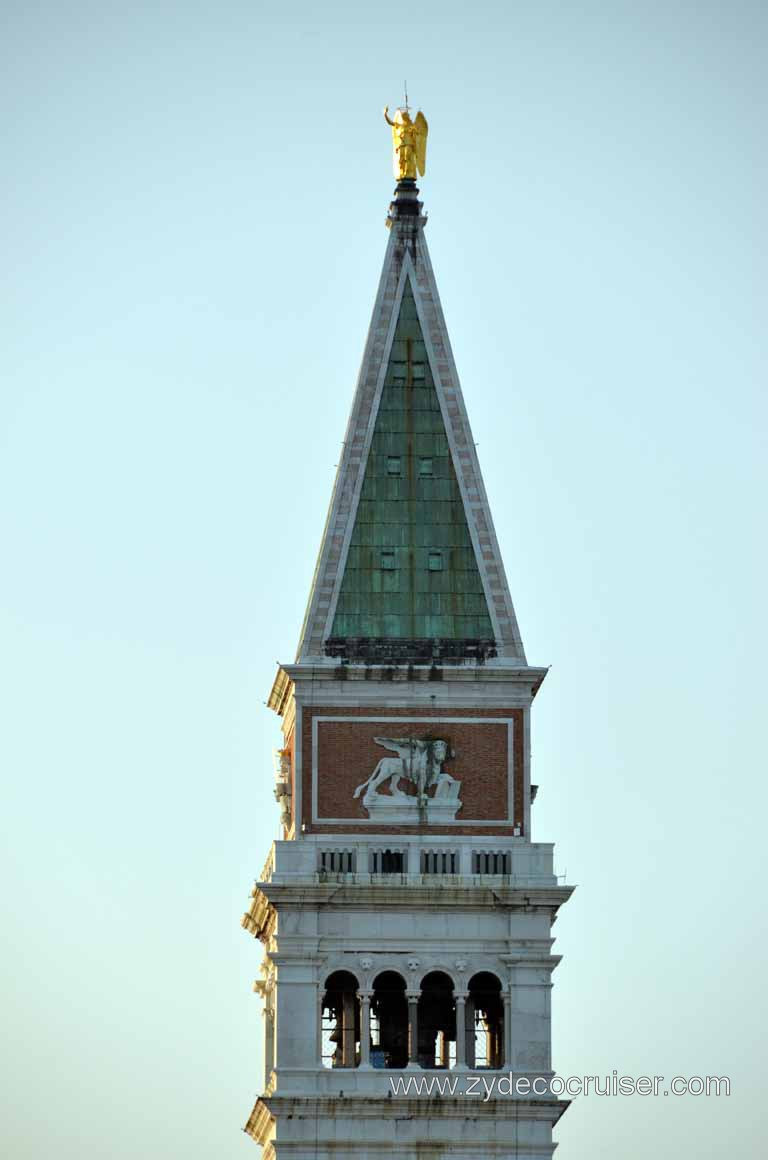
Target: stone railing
410,859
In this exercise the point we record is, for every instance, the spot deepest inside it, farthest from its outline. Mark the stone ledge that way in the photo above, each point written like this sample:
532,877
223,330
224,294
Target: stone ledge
310,891
393,1126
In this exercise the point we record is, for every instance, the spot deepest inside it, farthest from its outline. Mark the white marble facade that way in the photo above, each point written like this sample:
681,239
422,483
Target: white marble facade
412,924
461,904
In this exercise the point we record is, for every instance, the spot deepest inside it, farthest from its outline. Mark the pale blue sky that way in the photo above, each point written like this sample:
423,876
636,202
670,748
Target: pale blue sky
192,231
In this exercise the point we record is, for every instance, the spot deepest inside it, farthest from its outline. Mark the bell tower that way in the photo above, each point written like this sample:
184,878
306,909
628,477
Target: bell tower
406,913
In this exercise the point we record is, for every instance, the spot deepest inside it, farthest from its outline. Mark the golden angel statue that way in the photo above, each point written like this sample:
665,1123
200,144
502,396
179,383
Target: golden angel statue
409,143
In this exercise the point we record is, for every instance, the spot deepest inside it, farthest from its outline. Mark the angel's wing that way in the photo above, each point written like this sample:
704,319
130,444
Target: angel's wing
422,128
399,745
392,743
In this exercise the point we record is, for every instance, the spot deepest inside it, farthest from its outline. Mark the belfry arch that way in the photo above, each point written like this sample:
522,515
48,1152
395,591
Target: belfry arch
436,1021
389,1021
340,1021
485,1021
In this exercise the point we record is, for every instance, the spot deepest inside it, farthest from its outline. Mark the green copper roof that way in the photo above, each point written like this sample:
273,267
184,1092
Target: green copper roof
411,569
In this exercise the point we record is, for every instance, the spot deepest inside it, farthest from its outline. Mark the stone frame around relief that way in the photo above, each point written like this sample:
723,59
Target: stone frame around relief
433,722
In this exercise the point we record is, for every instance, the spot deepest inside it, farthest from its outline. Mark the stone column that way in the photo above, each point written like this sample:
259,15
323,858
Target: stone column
469,1031
319,1033
507,1045
348,1030
461,1031
413,1027
365,1028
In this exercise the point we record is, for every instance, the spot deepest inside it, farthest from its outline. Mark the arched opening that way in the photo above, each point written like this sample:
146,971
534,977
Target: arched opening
340,1021
437,1021
389,1021
485,1022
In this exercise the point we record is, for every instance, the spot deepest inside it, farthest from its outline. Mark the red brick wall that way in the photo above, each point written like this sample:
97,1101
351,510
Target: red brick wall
347,755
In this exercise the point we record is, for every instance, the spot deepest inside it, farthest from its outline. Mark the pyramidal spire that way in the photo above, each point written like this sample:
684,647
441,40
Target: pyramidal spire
409,569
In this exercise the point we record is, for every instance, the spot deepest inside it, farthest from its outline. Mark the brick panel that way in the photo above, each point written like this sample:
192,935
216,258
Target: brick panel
348,754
